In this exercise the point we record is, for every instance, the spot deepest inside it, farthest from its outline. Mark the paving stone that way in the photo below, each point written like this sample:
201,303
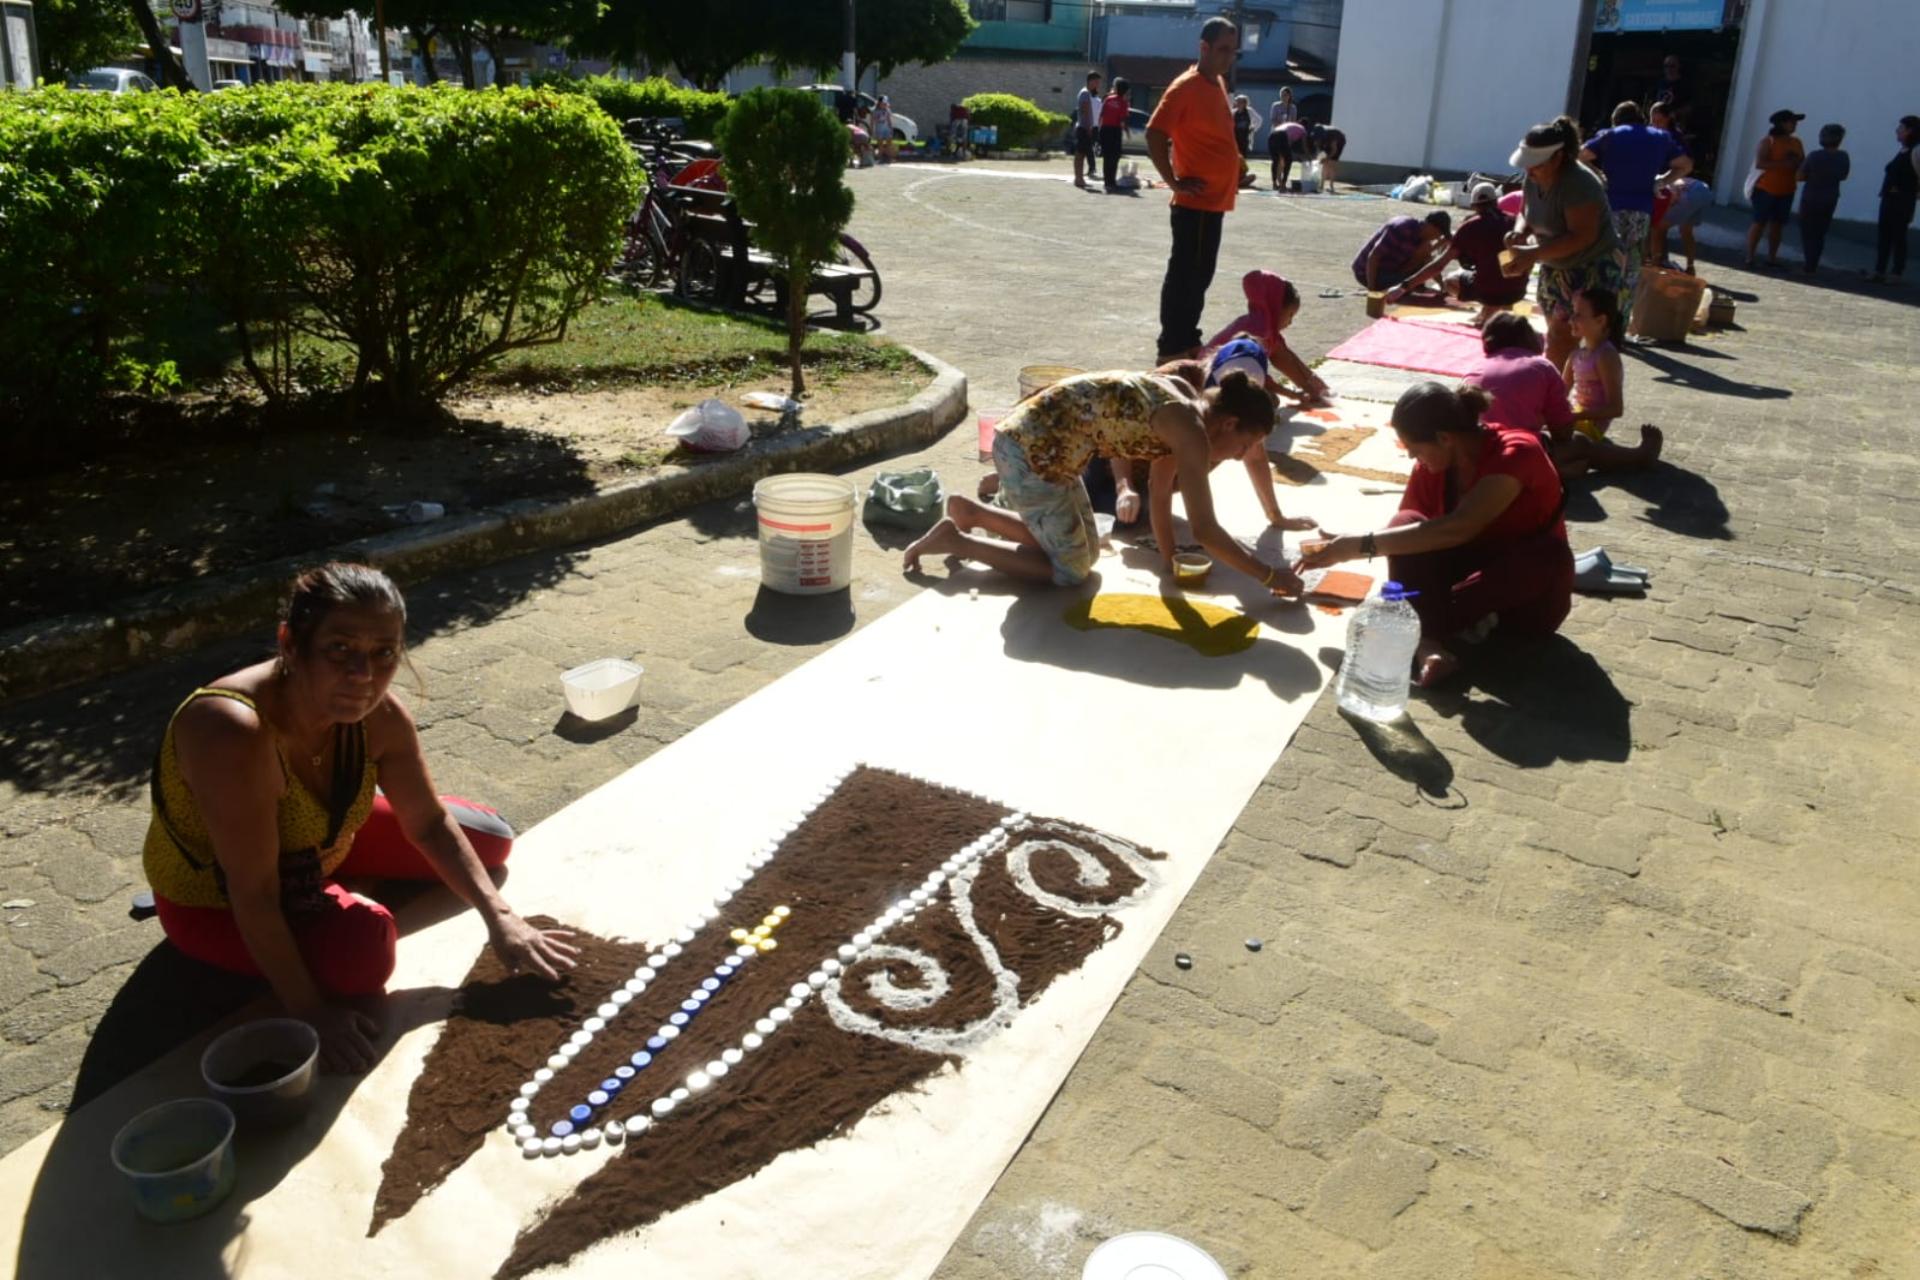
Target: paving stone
1332,1110
1714,1184
1723,1078
1485,1035
1377,1181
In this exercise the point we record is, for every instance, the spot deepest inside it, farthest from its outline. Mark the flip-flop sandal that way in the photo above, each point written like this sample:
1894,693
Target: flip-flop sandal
1333,293
1593,562
1608,581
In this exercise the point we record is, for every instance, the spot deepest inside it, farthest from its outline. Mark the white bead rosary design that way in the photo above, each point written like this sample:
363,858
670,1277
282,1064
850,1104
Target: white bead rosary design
575,1134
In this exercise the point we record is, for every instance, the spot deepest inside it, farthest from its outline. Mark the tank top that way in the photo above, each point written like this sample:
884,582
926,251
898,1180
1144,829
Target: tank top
1901,180
315,835
1108,414
1588,391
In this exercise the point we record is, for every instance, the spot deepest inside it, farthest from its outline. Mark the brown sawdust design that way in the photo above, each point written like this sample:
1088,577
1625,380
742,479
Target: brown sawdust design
874,839
1328,447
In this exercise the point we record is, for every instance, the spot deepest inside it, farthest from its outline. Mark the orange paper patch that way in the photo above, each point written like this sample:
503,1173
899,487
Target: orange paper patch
1341,587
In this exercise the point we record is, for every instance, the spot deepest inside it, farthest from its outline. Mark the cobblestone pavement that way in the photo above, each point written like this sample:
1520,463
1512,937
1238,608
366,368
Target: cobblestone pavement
1610,969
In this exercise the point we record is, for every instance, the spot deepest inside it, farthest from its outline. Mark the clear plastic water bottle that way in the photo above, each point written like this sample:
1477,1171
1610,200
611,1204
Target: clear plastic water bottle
1378,670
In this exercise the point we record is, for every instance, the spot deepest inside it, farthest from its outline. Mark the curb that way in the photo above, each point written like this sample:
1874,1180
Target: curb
165,623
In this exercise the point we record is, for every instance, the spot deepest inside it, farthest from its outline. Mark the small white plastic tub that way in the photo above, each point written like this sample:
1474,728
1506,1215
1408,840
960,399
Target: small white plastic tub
601,688
177,1158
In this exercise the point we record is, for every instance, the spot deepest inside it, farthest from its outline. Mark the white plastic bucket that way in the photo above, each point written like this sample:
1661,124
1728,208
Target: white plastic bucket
806,533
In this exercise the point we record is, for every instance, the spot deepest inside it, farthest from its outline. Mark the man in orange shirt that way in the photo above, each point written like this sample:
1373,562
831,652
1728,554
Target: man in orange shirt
1190,141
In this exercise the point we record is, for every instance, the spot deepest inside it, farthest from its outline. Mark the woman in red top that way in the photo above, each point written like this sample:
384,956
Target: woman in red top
1478,535
1113,127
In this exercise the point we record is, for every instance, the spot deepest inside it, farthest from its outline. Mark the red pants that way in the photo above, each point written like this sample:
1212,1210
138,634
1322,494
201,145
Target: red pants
348,945
1527,581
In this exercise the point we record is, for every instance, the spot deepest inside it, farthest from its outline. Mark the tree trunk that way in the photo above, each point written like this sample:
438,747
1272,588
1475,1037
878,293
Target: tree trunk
172,73
796,326
463,50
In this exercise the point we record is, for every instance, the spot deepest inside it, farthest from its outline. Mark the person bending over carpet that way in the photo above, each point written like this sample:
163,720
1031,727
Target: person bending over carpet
1272,304
1047,533
1402,250
1478,536
264,797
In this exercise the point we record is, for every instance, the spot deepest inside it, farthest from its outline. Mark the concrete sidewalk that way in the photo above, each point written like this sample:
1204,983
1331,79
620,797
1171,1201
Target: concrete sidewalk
1611,971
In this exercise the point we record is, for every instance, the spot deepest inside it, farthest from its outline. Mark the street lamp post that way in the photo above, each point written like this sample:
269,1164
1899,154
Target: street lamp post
380,28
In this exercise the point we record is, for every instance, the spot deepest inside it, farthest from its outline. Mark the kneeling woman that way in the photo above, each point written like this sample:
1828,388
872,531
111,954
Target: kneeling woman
1044,445
264,795
1479,534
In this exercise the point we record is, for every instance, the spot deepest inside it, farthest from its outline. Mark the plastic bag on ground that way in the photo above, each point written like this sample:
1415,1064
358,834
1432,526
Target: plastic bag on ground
712,426
905,499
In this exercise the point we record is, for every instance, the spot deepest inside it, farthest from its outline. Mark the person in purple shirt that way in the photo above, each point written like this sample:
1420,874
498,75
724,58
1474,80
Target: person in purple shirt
1636,158
1402,249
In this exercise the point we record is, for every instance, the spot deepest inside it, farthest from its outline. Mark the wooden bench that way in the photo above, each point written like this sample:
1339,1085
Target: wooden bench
740,269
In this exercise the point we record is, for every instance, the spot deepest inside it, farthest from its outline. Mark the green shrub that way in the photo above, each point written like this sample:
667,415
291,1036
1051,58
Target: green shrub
426,232
786,167
1021,123
652,99
93,238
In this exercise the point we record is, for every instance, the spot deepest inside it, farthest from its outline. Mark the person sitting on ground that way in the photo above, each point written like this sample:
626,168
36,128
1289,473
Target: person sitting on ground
1114,126
1328,145
1475,247
1042,447
1565,226
1479,536
1272,304
1403,249
1524,391
274,782
1593,378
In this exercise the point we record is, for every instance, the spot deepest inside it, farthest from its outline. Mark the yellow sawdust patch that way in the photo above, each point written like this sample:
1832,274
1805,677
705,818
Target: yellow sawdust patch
1208,629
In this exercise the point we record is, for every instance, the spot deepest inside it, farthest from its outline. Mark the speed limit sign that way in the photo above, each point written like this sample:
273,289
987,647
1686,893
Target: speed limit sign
185,10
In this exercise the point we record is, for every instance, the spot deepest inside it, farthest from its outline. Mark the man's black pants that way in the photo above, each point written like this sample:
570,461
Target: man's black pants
1183,293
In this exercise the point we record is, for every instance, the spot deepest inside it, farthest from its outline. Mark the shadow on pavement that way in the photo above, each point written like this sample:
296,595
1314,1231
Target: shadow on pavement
778,618
1532,705
101,734
1669,369
1406,752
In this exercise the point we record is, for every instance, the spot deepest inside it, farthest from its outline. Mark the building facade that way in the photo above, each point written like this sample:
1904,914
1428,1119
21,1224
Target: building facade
1450,85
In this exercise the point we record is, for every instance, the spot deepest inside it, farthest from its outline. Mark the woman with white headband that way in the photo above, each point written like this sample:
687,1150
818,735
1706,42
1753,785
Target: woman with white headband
1566,225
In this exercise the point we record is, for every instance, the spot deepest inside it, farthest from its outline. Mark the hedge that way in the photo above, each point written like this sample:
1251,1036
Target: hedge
652,99
425,232
1021,123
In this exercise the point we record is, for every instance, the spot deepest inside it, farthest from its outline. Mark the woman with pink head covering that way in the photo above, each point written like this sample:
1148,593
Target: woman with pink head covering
1272,303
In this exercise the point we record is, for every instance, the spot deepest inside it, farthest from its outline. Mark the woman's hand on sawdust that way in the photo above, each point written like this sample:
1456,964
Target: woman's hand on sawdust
346,1038
525,949
1324,555
1285,582
1292,524
1126,507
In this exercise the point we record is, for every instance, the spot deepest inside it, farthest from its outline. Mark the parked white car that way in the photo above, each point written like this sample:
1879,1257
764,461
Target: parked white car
841,103
112,80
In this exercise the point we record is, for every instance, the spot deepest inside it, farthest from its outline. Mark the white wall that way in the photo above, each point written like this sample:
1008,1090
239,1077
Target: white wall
1450,84
1844,63
1383,87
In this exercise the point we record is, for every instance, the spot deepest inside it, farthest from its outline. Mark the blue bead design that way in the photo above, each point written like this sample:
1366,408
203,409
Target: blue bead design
561,1128
656,1043
710,985
678,1019
580,1113
700,995
612,1085
689,1006
626,1073
640,1059
597,1098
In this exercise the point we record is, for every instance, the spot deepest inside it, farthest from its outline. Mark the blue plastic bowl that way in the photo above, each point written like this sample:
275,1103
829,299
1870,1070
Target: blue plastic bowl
178,1158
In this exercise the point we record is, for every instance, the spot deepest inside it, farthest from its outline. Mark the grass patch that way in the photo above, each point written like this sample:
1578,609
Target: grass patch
647,338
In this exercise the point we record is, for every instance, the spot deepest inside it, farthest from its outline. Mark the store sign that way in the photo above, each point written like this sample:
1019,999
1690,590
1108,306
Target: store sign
1662,15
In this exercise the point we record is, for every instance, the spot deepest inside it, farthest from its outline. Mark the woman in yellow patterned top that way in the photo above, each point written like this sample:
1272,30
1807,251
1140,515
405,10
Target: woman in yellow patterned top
264,792
1043,446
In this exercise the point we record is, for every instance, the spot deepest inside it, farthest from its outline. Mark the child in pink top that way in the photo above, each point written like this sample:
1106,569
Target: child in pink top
1272,303
1594,376
1526,390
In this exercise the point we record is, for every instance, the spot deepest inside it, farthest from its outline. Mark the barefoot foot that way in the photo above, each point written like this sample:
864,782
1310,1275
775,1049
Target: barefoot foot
1652,440
942,538
1432,665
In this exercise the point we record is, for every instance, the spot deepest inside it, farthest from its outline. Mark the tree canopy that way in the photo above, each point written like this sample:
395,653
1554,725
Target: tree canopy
76,35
